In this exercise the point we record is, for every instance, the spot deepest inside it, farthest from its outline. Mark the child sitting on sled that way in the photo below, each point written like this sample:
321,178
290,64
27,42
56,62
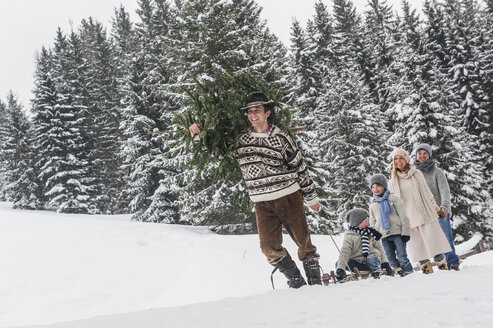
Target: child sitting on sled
361,248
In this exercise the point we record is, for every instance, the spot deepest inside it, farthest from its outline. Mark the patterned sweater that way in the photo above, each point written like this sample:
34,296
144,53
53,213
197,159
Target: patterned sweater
273,166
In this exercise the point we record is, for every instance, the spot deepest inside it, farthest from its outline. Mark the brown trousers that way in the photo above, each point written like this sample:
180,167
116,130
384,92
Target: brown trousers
287,211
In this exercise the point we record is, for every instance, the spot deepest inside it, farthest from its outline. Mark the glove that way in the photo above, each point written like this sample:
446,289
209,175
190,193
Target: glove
387,267
341,274
405,238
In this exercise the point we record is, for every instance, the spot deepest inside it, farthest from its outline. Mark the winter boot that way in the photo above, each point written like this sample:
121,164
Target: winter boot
426,267
403,273
376,274
287,266
441,262
454,267
312,271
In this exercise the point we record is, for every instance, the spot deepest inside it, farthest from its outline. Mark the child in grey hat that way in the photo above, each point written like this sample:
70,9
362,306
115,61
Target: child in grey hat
361,247
388,216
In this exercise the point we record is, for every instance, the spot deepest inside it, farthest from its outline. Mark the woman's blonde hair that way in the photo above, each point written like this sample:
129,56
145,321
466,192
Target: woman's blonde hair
394,169
405,155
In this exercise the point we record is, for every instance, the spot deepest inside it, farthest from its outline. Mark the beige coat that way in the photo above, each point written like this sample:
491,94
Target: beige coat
398,219
427,238
351,249
416,196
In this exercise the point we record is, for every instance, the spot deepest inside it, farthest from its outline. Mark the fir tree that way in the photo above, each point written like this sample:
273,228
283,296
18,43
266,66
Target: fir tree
147,107
380,48
125,45
485,59
311,61
454,151
3,164
101,101
15,149
69,187
351,138
44,144
348,37
416,95
223,38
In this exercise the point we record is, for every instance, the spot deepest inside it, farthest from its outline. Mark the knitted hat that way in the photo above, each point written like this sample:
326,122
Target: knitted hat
403,153
259,99
378,179
356,216
425,147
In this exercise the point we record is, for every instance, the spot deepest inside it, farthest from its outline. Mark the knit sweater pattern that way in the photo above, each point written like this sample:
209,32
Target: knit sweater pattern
439,187
273,167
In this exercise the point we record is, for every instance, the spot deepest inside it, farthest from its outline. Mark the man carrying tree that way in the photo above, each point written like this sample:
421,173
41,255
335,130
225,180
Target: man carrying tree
277,179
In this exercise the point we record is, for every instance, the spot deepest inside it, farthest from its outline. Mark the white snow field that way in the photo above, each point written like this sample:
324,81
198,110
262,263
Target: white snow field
59,270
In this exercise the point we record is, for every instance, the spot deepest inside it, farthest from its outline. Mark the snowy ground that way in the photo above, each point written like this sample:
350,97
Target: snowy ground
103,271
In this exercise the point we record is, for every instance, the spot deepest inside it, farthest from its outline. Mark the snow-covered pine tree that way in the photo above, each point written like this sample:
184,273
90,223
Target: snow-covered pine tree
124,45
485,59
303,91
379,43
147,107
3,165
417,99
69,185
101,101
348,36
169,161
463,31
311,59
223,38
43,112
25,189
14,153
452,143
352,137
226,37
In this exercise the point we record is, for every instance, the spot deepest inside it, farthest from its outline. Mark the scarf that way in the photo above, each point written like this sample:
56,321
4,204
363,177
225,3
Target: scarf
385,209
365,241
422,198
425,166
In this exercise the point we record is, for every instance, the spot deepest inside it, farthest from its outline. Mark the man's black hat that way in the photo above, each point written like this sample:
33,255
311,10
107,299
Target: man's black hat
259,99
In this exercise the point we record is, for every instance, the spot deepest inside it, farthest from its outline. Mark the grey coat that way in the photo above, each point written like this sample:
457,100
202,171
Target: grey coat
351,249
436,180
398,219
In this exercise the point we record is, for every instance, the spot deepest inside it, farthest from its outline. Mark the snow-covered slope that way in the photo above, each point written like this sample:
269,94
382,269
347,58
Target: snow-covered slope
104,271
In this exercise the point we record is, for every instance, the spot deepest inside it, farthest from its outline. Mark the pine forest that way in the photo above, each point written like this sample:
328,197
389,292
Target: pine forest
106,131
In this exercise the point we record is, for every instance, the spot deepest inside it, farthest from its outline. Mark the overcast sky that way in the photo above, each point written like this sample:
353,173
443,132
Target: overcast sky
27,25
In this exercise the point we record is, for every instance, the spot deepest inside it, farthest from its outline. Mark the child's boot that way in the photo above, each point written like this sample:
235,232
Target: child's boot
441,262
376,274
426,267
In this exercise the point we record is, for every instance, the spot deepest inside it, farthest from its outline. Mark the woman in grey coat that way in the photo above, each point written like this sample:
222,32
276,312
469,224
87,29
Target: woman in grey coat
436,180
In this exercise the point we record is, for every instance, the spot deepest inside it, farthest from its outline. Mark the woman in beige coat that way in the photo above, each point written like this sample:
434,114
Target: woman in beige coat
427,238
